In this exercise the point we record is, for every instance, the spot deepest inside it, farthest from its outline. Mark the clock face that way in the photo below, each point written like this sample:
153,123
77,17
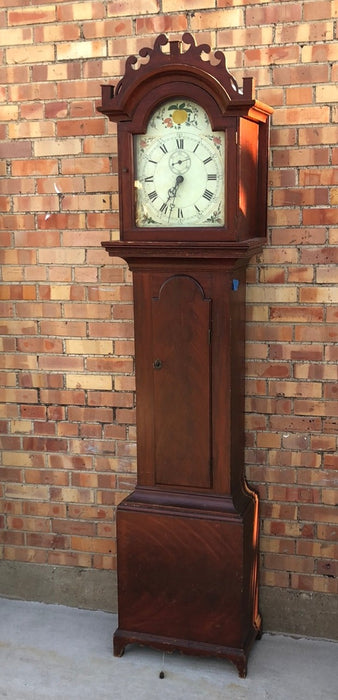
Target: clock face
179,169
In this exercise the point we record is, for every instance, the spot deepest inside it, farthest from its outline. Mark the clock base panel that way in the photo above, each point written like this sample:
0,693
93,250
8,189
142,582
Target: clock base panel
187,581
239,657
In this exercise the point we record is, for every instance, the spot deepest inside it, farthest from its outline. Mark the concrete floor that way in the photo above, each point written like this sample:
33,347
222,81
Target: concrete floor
52,652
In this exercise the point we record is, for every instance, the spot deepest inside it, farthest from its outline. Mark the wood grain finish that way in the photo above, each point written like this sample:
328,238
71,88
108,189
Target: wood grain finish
187,537
181,352
183,580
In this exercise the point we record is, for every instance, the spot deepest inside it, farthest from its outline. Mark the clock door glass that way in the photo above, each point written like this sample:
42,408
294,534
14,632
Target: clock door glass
179,169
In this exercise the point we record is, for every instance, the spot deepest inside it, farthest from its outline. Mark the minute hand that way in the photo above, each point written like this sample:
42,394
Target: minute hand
173,192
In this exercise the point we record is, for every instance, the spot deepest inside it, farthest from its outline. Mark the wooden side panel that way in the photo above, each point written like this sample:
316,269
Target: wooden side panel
182,396
248,179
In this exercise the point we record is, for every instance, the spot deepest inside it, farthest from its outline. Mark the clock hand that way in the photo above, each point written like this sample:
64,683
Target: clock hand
179,179
173,192
179,162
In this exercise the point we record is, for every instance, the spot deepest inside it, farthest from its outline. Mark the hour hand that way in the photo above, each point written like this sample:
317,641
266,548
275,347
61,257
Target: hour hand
179,179
173,190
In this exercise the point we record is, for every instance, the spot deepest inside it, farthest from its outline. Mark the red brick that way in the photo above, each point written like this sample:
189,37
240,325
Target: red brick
60,289
66,398
86,165
323,442
331,353
317,513
159,24
317,11
31,15
54,71
71,527
14,74
69,559
245,37
91,544
297,352
56,110
331,461
35,167
300,156
319,216
19,149
264,333
317,135
104,145
63,328
306,197
306,32
30,53
11,474
80,11
271,96
108,398
37,556
331,390
274,14
81,108
75,127
319,52
326,334
38,345
299,95
111,27
320,256
58,32
301,74
316,408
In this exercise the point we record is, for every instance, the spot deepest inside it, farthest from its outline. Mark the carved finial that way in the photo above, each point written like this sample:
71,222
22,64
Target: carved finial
185,56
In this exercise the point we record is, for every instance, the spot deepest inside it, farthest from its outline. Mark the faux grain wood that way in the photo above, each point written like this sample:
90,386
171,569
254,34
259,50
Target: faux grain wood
187,537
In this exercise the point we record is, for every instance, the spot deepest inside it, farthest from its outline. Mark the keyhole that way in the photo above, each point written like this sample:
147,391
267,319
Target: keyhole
157,364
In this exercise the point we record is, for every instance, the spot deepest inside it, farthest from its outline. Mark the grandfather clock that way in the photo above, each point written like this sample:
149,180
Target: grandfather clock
193,186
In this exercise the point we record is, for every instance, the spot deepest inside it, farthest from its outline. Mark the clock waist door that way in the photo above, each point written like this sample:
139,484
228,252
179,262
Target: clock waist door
181,384
178,384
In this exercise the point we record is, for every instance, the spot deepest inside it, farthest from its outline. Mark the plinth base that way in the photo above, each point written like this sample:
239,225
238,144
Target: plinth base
187,579
239,657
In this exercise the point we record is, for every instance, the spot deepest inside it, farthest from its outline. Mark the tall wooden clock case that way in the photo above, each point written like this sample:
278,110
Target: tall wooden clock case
192,153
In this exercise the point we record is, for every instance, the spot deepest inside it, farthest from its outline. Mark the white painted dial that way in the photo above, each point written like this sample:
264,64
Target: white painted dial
179,169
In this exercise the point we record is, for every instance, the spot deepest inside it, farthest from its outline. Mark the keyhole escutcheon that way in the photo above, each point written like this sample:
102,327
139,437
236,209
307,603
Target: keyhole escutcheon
157,364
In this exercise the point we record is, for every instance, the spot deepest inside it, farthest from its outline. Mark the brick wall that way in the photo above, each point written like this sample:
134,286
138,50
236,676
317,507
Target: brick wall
67,416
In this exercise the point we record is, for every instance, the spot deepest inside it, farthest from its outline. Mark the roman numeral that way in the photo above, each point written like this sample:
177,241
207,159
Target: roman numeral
152,161
164,208
197,209
212,176
196,147
163,148
152,195
179,214
150,178
207,160
207,195
180,143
